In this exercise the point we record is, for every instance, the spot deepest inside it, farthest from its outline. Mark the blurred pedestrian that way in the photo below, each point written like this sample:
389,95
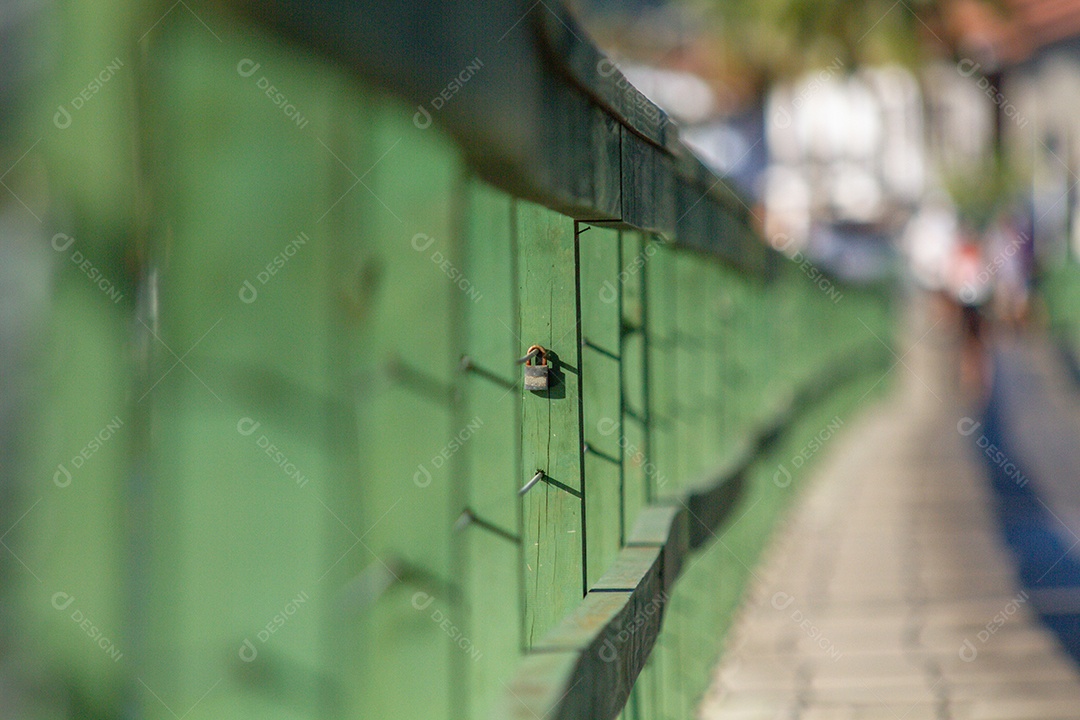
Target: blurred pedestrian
970,287
1010,252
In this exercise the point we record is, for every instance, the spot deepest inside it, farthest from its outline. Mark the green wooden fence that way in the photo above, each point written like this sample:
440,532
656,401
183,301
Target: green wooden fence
281,432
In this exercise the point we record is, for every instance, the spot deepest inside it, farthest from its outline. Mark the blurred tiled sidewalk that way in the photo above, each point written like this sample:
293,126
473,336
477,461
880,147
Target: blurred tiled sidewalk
888,594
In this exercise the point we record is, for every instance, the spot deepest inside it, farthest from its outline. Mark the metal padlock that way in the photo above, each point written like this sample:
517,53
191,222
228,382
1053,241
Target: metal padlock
536,376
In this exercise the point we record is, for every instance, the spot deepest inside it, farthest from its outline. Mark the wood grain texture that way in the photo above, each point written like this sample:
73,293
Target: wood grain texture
553,532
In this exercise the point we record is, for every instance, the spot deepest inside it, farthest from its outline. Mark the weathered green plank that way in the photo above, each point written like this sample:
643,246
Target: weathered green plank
612,633
648,196
665,526
492,572
65,508
408,351
713,390
68,528
638,469
539,684
232,521
634,566
577,171
551,434
600,302
690,358
663,369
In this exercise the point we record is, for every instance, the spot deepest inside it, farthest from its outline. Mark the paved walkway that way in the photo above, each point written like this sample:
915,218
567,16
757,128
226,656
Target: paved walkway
888,593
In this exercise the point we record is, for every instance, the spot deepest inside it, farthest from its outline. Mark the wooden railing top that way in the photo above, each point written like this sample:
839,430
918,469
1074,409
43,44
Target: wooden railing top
536,108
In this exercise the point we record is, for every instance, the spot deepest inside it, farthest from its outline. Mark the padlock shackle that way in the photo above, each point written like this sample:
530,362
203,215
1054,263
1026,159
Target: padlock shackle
533,351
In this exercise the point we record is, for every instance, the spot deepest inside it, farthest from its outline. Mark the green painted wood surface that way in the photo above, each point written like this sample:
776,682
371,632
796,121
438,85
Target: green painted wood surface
691,361
600,269
638,469
181,538
554,522
405,371
494,565
236,529
663,372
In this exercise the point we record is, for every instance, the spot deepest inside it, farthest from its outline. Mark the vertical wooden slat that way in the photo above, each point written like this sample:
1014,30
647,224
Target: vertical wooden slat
407,395
551,441
493,395
600,302
637,253
239,459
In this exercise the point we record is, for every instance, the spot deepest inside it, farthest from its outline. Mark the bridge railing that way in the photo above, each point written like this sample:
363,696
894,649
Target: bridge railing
341,226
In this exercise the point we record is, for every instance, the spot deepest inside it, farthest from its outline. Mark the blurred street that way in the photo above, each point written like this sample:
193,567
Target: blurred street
889,592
